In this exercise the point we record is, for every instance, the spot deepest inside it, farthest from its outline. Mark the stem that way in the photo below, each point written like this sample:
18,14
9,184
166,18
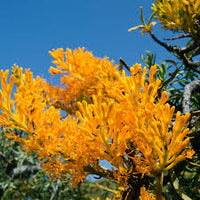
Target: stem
107,189
159,186
124,64
100,171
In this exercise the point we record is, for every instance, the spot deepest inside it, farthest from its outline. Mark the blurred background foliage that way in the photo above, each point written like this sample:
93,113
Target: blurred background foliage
22,179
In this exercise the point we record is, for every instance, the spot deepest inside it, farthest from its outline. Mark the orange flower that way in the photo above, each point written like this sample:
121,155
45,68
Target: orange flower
117,118
177,15
146,194
81,77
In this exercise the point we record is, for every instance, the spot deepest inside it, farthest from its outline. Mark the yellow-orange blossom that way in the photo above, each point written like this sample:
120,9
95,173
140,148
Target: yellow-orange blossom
114,117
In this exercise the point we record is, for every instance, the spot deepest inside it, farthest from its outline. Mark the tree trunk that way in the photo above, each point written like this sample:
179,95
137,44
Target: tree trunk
132,191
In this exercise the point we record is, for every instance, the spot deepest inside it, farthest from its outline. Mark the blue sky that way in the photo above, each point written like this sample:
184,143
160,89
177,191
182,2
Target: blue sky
30,28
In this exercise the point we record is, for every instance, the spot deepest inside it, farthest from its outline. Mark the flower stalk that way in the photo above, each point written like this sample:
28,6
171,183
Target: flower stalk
159,186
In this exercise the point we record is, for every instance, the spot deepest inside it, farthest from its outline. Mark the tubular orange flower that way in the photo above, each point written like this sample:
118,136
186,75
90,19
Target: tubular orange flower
149,121
146,194
117,118
81,73
178,15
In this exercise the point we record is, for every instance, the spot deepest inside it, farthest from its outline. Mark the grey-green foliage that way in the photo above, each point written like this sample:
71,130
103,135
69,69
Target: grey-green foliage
21,178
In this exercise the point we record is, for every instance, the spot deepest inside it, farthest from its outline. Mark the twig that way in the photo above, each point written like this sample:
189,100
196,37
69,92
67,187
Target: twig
178,196
159,186
124,64
163,44
189,63
178,37
194,164
172,75
55,190
106,189
179,52
100,171
195,113
189,48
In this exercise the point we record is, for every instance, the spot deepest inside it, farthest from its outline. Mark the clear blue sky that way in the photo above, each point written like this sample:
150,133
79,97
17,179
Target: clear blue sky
30,28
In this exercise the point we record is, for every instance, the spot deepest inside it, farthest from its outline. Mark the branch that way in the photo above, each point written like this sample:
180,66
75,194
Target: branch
134,184
179,52
24,170
189,48
172,75
195,113
163,44
178,196
178,37
189,63
107,189
194,164
121,61
55,189
174,49
100,171
159,186
189,88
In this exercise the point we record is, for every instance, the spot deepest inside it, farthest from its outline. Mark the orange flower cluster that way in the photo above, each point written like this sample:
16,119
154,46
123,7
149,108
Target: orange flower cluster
117,118
146,194
148,120
178,15
81,75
